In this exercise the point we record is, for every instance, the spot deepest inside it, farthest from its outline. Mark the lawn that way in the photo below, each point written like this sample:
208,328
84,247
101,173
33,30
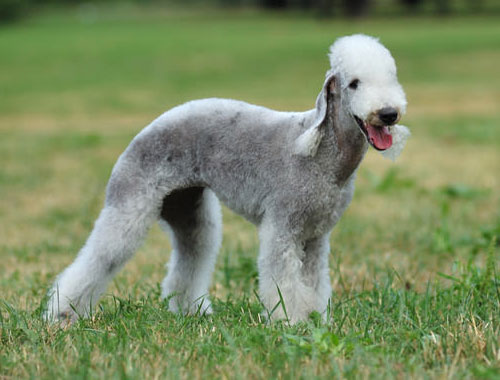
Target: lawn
414,261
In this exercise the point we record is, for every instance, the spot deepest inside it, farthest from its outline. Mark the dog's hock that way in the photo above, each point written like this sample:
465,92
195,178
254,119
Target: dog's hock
400,134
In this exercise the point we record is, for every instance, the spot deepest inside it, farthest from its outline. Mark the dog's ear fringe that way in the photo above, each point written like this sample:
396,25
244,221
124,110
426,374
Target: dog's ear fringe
307,143
400,134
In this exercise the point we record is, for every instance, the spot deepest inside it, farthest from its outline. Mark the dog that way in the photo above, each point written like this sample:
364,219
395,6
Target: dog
290,173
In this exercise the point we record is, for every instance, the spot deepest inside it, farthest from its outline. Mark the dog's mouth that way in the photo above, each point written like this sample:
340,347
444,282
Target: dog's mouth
378,136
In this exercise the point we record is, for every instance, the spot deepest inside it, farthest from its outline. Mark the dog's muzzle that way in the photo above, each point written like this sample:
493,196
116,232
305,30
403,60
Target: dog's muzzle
377,128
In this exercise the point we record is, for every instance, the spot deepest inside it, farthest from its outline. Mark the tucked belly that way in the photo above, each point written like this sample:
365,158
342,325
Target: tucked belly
246,203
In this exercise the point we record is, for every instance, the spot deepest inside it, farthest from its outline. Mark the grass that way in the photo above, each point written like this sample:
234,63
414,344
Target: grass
414,260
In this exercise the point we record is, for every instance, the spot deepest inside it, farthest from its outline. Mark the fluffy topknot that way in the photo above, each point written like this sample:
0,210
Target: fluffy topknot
359,54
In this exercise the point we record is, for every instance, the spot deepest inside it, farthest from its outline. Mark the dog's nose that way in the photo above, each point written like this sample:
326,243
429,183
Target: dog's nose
388,115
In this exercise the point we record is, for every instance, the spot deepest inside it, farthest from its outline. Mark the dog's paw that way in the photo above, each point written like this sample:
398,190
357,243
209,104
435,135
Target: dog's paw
201,306
60,318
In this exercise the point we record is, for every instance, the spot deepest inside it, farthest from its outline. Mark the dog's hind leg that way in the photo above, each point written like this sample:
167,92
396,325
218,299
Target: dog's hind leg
192,218
129,211
116,235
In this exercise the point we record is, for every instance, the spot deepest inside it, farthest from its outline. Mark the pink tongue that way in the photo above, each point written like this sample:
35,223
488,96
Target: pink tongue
379,137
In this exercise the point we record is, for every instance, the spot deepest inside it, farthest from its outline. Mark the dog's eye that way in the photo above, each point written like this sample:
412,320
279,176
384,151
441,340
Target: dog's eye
354,84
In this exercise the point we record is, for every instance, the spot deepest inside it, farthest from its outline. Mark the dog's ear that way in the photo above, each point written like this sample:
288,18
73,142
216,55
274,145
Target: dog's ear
307,143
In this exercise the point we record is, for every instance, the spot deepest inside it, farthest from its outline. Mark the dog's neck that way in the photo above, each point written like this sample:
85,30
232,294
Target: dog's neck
343,145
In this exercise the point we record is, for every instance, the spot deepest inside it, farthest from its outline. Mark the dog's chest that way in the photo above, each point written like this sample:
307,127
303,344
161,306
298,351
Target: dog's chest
324,212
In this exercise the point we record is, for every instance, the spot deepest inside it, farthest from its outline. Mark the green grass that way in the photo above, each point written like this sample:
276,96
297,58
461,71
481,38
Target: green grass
414,260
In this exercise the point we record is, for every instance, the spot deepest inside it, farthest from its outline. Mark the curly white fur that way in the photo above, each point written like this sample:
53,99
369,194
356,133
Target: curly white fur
400,134
374,66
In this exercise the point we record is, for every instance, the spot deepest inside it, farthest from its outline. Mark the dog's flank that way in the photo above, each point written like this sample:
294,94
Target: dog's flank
290,173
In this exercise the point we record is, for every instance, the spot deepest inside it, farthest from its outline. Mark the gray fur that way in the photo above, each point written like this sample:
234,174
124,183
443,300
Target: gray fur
290,173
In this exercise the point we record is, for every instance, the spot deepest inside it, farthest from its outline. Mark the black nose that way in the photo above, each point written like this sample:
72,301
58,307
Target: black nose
388,115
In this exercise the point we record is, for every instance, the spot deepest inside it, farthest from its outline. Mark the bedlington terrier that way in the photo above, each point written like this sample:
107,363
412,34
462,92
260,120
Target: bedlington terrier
290,173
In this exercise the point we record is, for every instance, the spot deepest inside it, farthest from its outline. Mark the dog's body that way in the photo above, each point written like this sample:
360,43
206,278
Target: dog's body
290,173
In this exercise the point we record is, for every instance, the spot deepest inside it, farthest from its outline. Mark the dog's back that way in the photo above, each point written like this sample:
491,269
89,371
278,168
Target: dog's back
241,151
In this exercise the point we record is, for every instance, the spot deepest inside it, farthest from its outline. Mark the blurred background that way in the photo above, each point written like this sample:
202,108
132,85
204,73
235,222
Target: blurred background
79,79
14,9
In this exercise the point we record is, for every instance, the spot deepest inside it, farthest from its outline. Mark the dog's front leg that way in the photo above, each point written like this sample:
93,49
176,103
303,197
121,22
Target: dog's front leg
284,290
316,270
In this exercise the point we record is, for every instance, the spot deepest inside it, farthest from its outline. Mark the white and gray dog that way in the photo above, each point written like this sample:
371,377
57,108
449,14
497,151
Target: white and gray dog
290,173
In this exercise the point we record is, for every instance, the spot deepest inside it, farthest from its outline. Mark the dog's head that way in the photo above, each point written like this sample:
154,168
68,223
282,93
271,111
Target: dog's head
363,88
366,74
